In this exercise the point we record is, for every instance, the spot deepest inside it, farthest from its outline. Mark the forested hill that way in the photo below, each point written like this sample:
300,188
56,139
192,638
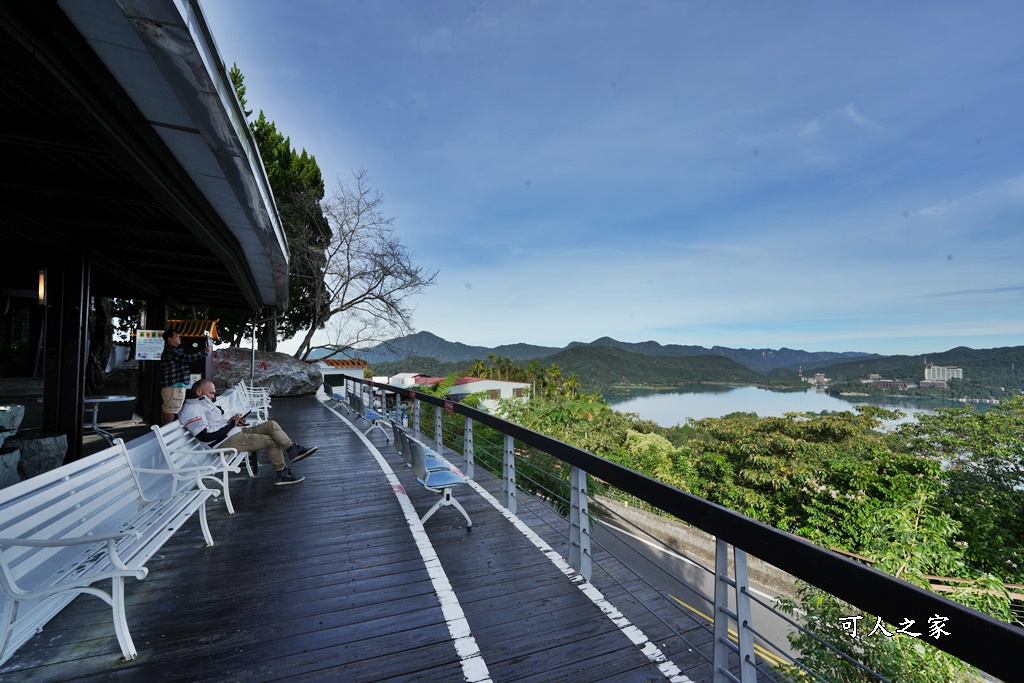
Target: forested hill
602,367
988,373
427,345
761,360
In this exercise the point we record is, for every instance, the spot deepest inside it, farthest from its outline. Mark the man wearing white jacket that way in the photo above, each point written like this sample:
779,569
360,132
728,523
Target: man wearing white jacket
208,423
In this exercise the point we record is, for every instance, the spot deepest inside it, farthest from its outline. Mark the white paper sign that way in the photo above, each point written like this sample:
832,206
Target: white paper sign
149,344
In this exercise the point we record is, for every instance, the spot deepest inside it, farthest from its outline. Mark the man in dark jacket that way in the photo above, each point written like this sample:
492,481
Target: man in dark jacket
175,377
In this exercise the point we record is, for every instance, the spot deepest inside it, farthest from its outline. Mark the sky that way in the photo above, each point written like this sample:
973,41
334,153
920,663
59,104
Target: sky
825,175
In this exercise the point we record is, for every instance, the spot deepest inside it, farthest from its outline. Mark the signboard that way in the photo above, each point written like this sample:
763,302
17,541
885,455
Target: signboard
149,344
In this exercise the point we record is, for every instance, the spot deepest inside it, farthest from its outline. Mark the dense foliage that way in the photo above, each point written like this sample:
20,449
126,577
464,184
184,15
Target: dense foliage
910,540
984,454
943,496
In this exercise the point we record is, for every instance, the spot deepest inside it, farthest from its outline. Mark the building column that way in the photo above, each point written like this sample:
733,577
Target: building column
65,348
149,401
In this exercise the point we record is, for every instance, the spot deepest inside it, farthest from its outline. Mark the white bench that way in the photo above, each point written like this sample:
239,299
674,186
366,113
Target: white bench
190,460
256,399
238,400
63,531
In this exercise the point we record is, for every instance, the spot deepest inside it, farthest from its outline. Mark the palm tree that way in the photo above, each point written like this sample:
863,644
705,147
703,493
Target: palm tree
552,380
571,384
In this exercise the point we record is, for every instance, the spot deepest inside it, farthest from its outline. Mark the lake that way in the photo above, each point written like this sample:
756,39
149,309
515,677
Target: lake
669,408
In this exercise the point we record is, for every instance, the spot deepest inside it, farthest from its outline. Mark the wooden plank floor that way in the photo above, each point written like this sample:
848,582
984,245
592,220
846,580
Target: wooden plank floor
323,581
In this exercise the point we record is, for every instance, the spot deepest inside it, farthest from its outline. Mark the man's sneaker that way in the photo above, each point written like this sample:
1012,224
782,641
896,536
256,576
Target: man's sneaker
298,452
284,477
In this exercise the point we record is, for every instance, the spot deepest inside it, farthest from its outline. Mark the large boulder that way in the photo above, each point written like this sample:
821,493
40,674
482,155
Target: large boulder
11,416
39,452
279,372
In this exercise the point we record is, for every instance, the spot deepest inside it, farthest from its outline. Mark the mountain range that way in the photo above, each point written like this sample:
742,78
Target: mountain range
427,345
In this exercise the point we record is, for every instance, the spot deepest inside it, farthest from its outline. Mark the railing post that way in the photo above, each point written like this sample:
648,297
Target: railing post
721,651
438,431
724,615
415,415
579,523
748,669
508,478
467,447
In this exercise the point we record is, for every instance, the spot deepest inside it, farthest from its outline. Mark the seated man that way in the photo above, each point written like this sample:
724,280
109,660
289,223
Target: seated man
209,424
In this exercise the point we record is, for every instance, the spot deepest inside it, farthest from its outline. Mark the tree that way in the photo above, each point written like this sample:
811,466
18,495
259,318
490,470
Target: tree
821,477
910,541
984,457
368,274
101,340
298,188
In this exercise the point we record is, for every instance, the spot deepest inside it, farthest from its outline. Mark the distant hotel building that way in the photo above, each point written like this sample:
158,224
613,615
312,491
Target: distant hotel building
942,373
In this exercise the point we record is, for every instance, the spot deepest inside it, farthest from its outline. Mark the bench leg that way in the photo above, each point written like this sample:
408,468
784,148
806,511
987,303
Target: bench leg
458,506
446,500
374,424
227,492
203,523
9,612
124,638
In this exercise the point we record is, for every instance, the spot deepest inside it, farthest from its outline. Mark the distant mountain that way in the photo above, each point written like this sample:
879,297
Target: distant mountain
600,367
427,345
761,360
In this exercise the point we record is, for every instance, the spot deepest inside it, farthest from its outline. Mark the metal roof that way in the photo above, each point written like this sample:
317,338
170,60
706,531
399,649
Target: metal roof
125,139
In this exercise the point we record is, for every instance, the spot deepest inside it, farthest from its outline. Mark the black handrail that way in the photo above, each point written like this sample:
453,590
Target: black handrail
974,637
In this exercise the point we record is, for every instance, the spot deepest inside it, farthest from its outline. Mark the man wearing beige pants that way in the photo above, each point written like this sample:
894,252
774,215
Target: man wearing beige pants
208,423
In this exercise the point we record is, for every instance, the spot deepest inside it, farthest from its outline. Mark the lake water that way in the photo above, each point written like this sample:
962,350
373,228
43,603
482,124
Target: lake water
669,408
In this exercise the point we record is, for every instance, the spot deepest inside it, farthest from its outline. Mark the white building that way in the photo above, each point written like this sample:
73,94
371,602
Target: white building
334,370
495,389
943,373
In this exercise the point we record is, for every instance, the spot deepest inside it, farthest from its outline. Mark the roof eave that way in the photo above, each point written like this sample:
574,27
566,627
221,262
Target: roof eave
176,78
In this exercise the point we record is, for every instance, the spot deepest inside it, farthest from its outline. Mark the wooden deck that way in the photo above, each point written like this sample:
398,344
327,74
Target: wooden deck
323,581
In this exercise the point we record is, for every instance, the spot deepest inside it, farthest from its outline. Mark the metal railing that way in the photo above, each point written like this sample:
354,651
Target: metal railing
510,452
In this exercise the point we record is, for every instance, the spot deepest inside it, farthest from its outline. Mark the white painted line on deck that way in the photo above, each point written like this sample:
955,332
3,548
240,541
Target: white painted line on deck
672,672
474,668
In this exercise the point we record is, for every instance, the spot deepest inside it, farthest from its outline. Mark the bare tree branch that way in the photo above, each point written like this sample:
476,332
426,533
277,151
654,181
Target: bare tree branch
368,275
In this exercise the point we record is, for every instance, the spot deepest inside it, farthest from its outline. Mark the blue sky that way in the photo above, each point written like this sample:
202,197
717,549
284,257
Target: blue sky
821,175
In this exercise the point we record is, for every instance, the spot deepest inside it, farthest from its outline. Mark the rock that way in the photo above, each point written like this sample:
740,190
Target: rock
4,433
279,372
39,452
11,416
9,459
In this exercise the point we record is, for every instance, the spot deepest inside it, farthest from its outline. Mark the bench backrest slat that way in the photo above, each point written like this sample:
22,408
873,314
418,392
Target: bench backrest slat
93,496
